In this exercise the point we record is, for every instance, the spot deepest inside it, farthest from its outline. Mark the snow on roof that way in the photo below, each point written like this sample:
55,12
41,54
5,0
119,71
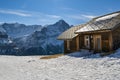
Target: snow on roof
107,17
70,33
108,21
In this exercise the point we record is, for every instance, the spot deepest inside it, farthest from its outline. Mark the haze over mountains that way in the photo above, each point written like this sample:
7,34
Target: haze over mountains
20,39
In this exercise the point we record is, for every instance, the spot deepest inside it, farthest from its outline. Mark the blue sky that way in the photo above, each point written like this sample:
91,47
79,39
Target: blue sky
49,11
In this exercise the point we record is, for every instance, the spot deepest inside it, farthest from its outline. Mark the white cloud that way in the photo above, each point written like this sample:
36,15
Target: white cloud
54,16
15,12
31,14
76,17
81,17
89,16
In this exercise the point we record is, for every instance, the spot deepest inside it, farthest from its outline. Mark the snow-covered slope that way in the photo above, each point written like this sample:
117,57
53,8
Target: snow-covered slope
68,67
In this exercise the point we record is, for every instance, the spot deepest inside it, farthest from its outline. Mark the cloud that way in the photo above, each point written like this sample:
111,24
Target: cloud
76,17
31,14
54,16
41,15
77,14
45,18
15,12
81,17
89,16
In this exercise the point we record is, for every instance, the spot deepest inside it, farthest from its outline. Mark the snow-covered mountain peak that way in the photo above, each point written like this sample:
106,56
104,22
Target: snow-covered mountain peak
35,39
61,23
16,30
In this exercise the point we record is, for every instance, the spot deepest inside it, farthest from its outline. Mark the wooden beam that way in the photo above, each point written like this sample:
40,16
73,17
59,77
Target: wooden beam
77,43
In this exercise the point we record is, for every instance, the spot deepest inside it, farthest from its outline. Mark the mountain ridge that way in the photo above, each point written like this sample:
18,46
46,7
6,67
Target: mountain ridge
36,39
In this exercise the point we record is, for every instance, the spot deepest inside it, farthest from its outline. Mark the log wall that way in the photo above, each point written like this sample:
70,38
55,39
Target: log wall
116,38
74,45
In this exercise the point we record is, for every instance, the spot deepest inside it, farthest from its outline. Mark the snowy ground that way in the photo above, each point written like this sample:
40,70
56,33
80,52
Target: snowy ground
69,67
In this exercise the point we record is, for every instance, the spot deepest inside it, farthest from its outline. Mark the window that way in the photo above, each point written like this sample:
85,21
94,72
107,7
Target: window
86,37
87,41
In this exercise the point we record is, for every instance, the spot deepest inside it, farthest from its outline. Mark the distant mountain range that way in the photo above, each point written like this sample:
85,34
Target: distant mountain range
20,39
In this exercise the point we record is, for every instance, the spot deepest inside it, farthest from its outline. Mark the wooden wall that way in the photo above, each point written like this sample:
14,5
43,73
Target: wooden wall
109,41
74,45
105,41
116,38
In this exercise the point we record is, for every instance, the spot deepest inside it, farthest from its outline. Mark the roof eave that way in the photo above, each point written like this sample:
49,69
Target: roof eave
95,31
64,39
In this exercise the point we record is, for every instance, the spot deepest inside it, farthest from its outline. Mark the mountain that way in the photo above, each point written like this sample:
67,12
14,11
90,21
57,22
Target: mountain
44,41
16,30
7,46
36,39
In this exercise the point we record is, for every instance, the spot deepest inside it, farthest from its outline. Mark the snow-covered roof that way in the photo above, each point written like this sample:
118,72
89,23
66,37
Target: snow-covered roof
105,22
70,33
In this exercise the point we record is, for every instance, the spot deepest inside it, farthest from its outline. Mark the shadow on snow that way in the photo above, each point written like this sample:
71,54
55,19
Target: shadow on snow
86,54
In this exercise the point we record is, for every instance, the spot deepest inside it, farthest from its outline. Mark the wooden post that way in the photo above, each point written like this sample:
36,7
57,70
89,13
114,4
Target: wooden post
90,43
65,50
77,43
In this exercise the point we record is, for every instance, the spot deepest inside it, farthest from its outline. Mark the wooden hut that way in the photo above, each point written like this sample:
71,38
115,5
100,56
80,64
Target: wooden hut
99,34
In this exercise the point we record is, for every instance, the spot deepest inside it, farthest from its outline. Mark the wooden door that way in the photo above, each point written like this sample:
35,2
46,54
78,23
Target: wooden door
97,43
